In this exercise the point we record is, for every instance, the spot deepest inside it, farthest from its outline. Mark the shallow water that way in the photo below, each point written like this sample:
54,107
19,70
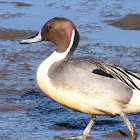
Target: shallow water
25,112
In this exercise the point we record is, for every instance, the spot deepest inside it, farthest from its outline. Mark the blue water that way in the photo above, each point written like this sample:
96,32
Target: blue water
25,112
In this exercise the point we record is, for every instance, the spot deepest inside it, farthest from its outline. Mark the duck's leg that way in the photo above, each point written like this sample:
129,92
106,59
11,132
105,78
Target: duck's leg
129,126
89,126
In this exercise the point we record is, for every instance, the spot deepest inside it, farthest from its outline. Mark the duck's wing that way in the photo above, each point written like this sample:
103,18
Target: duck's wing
127,77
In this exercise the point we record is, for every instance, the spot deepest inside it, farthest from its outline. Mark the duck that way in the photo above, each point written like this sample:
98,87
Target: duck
85,84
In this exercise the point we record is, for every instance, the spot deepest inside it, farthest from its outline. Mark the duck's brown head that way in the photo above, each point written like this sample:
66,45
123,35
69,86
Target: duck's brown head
60,31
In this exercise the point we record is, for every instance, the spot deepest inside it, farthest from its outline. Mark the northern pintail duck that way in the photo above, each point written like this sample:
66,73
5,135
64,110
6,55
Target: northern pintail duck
85,85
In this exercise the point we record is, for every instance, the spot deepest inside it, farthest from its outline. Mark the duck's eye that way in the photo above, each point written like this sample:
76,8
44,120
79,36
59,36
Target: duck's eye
50,27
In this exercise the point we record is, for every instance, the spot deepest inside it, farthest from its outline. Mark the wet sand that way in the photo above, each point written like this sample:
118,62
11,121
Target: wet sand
17,3
129,22
13,34
25,112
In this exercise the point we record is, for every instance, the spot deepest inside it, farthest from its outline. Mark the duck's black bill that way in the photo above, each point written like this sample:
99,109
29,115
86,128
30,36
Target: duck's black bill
35,38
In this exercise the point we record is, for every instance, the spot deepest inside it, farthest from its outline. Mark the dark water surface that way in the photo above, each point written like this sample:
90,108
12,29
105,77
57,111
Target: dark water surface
25,112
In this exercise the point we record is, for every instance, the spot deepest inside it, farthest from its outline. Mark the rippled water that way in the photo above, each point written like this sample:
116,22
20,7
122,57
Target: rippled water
25,112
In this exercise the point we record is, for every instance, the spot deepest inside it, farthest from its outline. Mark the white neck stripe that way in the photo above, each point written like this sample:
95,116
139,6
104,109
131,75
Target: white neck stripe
59,56
64,54
71,42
